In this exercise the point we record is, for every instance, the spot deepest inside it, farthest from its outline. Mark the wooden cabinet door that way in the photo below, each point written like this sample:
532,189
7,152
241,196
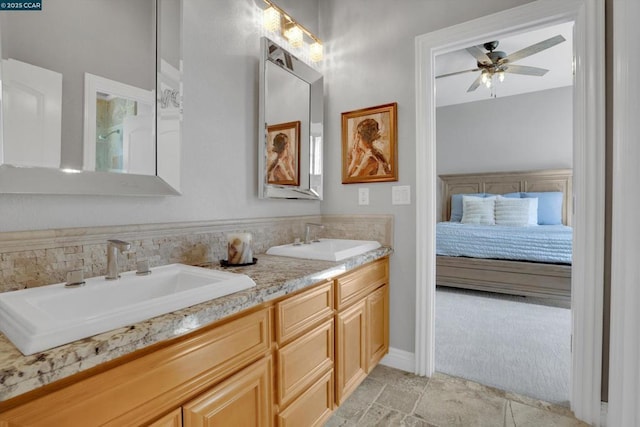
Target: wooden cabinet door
351,357
377,326
244,399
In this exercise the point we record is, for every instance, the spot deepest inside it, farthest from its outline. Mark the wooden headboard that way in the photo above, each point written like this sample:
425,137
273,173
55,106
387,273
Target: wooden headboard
508,182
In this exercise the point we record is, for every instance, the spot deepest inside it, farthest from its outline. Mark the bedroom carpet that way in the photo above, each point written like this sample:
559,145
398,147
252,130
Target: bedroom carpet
513,343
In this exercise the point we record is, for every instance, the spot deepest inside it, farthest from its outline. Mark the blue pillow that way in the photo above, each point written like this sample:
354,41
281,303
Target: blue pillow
549,206
512,195
456,205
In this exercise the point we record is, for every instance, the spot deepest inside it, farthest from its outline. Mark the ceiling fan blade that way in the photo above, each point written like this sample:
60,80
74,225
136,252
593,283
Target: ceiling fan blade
457,72
475,84
523,69
534,48
479,54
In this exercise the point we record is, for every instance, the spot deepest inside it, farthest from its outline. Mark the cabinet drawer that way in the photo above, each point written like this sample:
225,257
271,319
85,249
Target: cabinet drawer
313,407
172,419
245,399
357,284
303,311
300,362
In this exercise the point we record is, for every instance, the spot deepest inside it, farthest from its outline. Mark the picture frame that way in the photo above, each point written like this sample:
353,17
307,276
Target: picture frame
369,144
283,154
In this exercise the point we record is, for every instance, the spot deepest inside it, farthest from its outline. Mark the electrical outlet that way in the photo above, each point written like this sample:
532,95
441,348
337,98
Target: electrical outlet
363,196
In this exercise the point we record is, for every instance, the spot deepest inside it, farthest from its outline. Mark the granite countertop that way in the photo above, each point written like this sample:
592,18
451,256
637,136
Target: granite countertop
274,276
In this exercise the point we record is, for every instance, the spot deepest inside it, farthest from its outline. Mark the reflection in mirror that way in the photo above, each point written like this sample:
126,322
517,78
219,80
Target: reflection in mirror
291,113
119,130
47,110
32,100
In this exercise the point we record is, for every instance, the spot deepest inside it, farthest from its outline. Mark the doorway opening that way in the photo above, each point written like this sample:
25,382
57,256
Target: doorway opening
504,129
588,181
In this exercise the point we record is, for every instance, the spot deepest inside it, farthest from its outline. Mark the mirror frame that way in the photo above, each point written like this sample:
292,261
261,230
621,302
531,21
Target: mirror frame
41,180
311,76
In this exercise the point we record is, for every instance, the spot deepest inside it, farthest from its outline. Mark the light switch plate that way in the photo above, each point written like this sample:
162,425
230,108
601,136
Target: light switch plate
401,195
363,196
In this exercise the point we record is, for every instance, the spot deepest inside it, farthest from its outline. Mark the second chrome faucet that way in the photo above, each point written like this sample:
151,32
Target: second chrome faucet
307,232
113,248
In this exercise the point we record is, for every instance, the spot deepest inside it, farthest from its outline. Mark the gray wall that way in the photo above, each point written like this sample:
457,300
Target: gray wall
370,61
219,153
515,133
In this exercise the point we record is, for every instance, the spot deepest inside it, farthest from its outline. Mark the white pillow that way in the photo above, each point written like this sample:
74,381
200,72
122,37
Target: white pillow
478,210
516,212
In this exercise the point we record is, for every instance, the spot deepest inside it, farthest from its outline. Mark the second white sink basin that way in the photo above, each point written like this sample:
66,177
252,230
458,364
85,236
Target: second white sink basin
40,318
326,249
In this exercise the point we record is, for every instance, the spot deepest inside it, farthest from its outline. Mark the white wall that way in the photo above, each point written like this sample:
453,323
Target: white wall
219,154
370,61
514,133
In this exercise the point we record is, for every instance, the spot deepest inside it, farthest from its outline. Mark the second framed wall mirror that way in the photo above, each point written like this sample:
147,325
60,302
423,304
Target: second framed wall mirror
290,126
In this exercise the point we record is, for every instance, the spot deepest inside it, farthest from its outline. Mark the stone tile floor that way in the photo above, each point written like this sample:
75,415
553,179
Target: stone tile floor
390,397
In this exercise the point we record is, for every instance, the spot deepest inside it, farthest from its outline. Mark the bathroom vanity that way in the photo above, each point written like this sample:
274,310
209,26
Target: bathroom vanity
285,353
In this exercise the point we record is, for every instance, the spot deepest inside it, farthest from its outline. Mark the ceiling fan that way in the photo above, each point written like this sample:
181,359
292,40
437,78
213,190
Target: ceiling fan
495,62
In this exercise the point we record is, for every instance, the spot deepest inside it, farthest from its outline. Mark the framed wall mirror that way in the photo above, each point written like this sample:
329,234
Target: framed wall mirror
91,98
291,126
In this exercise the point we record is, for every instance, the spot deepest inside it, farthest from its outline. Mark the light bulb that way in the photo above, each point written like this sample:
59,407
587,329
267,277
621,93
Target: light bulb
501,76
315,52
271,19
294,35
484,78
488,82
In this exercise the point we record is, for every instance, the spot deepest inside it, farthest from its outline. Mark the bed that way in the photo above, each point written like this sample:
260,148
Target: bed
545,273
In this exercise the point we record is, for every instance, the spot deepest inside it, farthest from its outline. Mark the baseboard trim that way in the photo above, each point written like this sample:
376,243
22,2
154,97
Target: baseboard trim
400,359
604,413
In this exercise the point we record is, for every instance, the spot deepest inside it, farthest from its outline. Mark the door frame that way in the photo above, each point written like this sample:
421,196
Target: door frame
624,371
588,180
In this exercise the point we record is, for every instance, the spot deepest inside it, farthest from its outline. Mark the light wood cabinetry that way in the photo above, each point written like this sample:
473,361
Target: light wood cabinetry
362,324
286,362
377,326
298,313
242,400
313,407
172,419
305,334
133,389
351,343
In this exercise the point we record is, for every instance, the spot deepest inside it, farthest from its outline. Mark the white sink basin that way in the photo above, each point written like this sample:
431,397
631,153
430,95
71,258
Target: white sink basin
325,249
40,318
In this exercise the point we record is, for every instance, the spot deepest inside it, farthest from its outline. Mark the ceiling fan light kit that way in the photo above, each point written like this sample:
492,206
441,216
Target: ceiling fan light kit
495,63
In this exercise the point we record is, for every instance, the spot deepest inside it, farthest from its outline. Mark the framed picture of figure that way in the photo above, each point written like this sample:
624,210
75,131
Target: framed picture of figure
283,154
369,144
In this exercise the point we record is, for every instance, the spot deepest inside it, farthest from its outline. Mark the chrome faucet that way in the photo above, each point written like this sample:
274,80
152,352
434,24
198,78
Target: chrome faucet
307,232
113,247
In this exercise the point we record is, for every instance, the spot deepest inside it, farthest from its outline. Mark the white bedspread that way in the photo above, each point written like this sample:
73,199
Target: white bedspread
542,243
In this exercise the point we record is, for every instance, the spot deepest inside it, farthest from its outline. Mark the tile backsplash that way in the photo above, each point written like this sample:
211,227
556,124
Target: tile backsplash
42,257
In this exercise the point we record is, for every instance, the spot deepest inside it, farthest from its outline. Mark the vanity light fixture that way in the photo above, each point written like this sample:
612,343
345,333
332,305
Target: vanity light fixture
271,19
275,19
294,34
315,52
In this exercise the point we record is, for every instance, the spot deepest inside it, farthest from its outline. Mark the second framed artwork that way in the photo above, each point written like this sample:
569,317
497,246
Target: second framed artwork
369,144
283,154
